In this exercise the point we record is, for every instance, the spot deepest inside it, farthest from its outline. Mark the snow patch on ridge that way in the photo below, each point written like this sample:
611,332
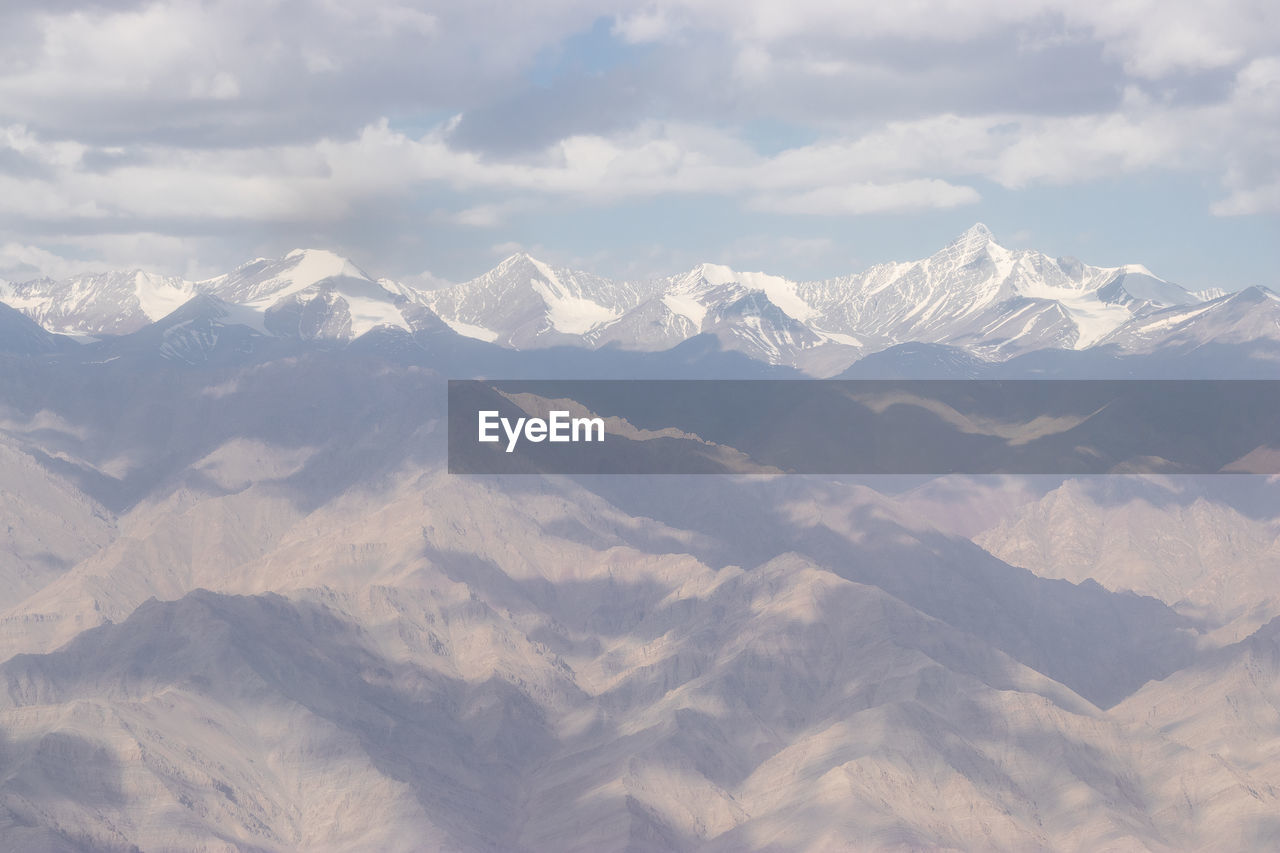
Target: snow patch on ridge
368,312
310,267
780,291
467,330
686,306
1003,260
568,313
1094,318
837,338
159,298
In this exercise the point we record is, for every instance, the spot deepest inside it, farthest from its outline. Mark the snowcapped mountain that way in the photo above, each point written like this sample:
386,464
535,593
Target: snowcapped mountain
111,303
523,302
309,294
204,329
1252,314
975,294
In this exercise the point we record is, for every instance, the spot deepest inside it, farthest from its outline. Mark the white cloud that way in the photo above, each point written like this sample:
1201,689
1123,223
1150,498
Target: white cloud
427,280
1060,151
1152,38
19,261
68,255
902,165
397,18
870,198
220,87
767,21
200,115
1246,201
142,69
646,25
488,215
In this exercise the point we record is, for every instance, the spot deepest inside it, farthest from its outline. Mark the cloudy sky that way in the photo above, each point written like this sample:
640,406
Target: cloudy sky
807,137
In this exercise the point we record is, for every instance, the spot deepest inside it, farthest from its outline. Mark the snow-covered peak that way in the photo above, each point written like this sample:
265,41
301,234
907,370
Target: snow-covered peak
523,300
1136,283
320,292
308,266
568,308
716,273
519,261
98,303
973,238
976,244
1253,295
318,264
1248,315
511,260
780,291
264,282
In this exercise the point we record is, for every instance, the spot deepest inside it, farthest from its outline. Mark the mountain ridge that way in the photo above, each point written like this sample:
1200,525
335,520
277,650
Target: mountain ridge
990,302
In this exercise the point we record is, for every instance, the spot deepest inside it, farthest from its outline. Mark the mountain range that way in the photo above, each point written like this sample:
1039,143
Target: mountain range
245,607
975,298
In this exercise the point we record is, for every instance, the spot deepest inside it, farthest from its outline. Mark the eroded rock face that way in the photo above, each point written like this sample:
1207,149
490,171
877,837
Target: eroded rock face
294,629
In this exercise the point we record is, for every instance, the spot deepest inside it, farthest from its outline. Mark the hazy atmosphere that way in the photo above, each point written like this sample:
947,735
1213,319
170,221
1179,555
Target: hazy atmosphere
659,427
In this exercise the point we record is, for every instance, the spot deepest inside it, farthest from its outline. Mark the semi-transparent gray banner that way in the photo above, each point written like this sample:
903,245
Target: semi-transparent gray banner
1062,427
